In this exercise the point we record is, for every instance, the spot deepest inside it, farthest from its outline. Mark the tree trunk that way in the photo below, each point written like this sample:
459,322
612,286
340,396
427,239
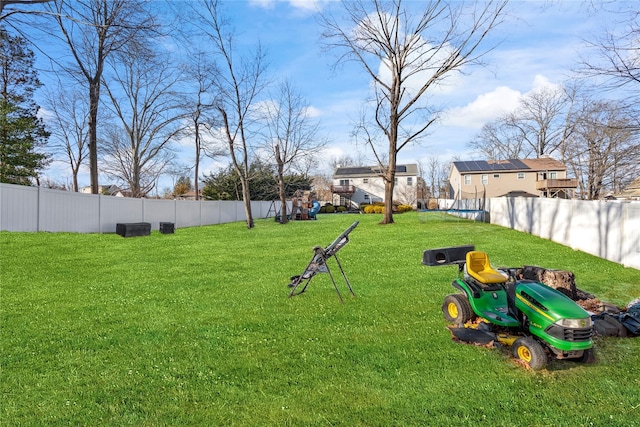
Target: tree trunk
246,197
94,98
283,198
197,165
390,174
388,203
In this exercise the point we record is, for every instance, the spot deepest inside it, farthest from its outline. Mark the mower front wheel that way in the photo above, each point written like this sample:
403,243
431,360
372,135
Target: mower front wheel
530,351
456,309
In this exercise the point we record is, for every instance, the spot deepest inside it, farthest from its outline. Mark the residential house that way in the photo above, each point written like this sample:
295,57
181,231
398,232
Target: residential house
542,177
107,190
364,184
632,192
189,195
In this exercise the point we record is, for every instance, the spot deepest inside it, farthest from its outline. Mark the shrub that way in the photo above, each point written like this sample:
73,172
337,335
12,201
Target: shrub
404,208
378,208
341,208
329,208
368,209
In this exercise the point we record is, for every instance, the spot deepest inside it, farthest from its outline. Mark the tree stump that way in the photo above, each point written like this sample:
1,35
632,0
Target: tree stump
563,281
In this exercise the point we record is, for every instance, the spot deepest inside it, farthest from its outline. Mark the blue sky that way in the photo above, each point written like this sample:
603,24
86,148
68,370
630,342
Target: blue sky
539,45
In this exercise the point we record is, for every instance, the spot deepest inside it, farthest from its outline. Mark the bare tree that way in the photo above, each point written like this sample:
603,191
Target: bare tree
541,120
498,141
614,62
541,125
69,130
415,50
144,100
433,182
239,84
201,103
6,13
93,30
291,135
604,151
322,187
345,161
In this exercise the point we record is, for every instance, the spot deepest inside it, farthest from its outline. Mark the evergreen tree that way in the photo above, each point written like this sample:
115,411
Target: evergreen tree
225,184
21,131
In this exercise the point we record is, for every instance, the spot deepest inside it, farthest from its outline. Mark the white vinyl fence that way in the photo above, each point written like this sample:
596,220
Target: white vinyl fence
607,229
610,230
24,208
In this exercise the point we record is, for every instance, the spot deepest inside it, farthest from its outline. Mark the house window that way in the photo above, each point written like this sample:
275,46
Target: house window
553,175
496,175
467,180
365,180
520,175
409,181
344,182
366,197
485,179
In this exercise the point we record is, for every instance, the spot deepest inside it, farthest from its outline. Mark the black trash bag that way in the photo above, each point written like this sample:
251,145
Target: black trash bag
631,319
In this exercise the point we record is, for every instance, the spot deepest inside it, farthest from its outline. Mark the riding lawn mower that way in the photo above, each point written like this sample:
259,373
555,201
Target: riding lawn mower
494,305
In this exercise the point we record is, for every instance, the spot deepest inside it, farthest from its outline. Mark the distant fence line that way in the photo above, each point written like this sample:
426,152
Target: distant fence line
609,230
24,208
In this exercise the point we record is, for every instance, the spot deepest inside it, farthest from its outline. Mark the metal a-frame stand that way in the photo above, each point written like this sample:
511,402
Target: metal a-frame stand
318,264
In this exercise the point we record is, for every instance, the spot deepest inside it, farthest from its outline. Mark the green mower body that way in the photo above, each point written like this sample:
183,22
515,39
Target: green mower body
541,320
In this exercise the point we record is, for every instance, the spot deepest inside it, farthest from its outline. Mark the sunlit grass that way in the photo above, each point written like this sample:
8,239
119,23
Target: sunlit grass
195,328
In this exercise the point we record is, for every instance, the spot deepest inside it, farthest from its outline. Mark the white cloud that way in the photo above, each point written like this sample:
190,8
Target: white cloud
485,107
303,5
308,5
313,112
264,4
542,82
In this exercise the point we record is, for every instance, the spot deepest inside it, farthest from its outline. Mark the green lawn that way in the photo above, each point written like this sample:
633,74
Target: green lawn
195,328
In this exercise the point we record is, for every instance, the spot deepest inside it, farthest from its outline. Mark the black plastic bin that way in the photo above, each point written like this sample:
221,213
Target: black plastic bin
167,228
132,229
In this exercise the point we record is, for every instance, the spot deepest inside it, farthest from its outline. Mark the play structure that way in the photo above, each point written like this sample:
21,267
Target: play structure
318,264
303,207
494,306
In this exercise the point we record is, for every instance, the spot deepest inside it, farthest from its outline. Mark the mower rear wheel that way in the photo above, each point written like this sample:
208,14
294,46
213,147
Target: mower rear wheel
530,351
456,309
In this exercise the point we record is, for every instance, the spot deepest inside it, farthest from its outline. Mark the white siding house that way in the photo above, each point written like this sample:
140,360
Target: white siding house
364,184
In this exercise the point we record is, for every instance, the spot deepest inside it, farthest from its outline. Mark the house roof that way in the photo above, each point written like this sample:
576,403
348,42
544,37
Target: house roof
544,163
631,192
510,165
402,170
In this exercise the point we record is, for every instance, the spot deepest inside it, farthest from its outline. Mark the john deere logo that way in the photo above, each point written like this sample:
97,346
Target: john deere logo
583,323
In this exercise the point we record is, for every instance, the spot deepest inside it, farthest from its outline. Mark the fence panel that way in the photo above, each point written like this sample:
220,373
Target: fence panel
114,210
18,208
66,211
211,212
189,213
605,229
631,235
157,211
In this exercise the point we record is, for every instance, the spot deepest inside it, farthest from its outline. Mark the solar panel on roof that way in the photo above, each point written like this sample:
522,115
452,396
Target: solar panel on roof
485,166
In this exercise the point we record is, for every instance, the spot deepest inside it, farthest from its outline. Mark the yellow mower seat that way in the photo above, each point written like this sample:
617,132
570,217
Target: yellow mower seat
479,267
